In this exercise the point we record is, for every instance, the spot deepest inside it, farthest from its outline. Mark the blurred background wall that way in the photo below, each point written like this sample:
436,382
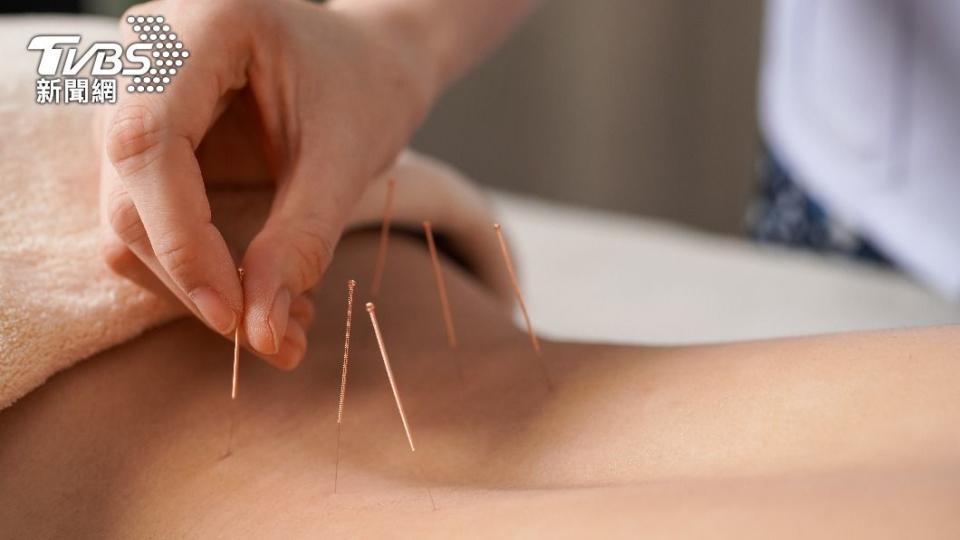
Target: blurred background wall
638,106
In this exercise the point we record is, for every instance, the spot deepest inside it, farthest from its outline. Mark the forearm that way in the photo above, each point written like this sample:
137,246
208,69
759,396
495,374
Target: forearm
449,35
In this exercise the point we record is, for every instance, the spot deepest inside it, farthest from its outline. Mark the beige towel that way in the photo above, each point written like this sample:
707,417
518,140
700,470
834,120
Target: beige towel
58,302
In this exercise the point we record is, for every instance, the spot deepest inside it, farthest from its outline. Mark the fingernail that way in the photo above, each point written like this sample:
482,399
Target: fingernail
214,309
293,349
278,319
289,357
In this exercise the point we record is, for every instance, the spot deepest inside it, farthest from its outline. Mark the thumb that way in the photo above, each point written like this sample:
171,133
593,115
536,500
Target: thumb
290,255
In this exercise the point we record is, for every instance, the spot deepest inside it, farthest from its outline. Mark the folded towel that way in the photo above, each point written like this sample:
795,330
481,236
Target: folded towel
59,303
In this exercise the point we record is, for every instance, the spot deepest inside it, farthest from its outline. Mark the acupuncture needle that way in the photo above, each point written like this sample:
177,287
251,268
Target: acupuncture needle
351,286
236,372
384,238
523,306
441,286
371,309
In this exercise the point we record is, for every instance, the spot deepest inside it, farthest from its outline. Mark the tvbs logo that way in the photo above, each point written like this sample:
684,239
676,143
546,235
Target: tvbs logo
151,62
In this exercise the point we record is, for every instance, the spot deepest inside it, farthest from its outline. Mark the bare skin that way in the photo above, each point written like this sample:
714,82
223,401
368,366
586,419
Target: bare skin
846,435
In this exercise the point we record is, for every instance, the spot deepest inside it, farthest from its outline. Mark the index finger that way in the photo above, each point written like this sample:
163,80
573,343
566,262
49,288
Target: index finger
151,142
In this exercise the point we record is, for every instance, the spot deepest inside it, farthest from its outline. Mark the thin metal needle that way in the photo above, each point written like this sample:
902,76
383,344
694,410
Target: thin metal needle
351,285
236,373
236,348
384,238
523,306
441,286
371,309
236,362
423,476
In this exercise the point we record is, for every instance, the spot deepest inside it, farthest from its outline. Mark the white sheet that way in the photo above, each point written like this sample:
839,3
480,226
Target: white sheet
590,275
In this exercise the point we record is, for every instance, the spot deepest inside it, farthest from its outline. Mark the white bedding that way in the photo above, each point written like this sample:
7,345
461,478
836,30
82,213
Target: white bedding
590,275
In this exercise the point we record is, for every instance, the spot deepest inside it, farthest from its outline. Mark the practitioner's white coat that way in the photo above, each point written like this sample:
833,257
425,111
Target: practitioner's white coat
861,100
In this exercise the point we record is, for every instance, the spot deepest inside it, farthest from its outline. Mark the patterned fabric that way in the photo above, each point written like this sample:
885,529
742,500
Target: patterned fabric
783,213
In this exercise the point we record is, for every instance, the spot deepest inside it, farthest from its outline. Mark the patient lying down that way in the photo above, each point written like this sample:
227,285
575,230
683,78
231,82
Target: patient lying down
844,435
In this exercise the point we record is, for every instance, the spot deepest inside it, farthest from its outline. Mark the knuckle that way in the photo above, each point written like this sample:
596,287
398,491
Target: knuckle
313,251
124,219
116,256
132,137
177,257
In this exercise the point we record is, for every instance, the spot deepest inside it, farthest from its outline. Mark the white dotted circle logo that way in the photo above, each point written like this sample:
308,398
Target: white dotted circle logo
167,52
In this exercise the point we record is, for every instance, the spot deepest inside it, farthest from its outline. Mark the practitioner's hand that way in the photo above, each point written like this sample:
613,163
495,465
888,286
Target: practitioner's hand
316,99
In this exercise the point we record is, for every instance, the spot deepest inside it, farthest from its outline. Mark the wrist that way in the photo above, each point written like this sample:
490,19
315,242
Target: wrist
405,40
